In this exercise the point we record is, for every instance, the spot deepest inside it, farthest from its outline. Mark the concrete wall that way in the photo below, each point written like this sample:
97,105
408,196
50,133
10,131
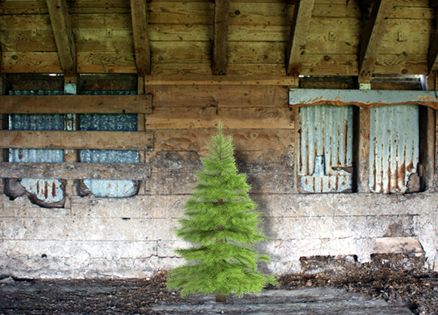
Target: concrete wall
133,237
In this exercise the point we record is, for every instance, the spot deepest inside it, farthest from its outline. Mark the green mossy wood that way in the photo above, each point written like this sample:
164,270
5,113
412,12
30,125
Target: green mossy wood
222,224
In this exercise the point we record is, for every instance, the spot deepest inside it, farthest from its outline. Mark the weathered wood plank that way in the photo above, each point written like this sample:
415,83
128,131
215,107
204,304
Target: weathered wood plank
244,139
297,42
362,167
116,140
371,38
213,80
140,35
218,96
432,59
62,31
76,104
209,117
30,62
101,62
220,37
74,170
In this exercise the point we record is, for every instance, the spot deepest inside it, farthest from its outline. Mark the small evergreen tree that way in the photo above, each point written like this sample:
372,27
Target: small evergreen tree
222,224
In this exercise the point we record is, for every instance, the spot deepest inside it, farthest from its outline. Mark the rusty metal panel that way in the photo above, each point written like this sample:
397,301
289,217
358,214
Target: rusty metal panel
394,149
48,190
109,122
326,149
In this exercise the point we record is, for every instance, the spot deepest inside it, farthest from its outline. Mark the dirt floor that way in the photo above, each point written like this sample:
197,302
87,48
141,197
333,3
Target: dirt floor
417,290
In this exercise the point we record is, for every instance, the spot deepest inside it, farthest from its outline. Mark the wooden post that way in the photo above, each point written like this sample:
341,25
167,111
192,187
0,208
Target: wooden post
220,37
371,37
3,125
139,18
298,35
428,141
362,149
70,156
63,34
296,138
141,126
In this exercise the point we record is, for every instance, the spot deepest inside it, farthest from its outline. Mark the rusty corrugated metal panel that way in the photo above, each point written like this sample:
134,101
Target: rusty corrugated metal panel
109,122
394,149
46,190
326,149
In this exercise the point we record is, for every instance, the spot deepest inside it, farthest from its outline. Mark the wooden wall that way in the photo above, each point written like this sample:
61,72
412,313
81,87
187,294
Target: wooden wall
185,117
180,35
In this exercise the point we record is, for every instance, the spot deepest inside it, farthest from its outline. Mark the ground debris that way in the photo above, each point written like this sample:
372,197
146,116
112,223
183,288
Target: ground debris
417,289
142,296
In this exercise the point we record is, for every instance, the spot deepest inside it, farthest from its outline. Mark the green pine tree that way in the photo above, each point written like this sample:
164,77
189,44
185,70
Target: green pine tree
222,225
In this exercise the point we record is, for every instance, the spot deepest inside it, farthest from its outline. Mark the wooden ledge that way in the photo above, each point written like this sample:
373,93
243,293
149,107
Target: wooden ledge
115,171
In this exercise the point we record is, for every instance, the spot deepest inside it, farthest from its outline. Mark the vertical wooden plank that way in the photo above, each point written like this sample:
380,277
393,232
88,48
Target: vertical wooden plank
298,35
3,126
141,123
63,34
428,141
70,156
220,37
371,37
361,167
140,36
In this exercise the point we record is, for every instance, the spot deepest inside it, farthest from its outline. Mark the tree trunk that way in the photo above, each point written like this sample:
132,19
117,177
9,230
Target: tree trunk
221,298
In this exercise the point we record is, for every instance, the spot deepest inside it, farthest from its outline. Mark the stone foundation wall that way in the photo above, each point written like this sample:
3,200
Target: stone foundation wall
135,237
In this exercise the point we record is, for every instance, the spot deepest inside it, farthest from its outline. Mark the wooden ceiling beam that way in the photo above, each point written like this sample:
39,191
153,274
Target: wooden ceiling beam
298,35
139,17
432,59
63,34
220,37
371,38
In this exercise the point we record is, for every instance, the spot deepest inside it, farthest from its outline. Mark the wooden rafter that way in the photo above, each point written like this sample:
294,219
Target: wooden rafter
298,35
140,35
372,36
432,60
220,37
63,34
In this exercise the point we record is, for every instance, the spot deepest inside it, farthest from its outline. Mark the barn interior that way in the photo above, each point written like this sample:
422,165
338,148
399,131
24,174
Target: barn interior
107,107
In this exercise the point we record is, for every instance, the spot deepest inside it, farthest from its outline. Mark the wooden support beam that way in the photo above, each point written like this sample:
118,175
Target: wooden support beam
432,59
76,104
62,31
105,140
371,37
220,37
225,80
142,50
72,171
298,35
3,126
362,147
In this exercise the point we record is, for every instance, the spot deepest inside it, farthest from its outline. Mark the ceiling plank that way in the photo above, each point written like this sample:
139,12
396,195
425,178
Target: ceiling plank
371,37
140,35
432,60
297,41
220,37
63,34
